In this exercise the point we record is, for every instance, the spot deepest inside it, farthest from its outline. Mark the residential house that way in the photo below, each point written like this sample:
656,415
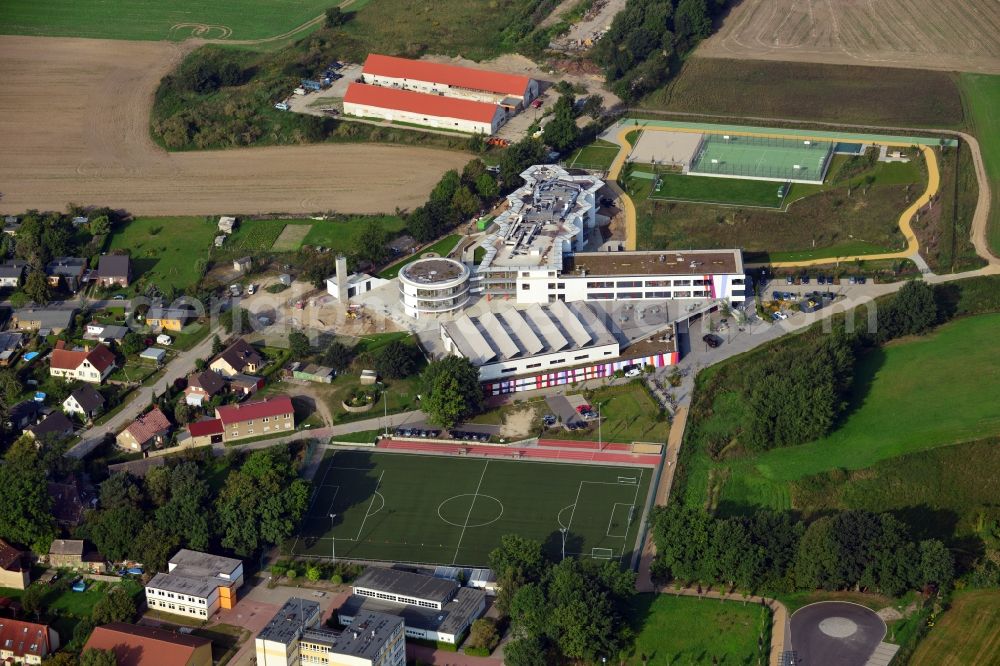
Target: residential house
45,320
271,416
26,642
23,414
202,386
86,365
74,554
168,319
106,333
10,347
206,433
11,274
242,265
85,401
146,431
66,271
195,584
15,567
245,385
136,645
138,468
114,270
53,427
227,224
238,358
67,502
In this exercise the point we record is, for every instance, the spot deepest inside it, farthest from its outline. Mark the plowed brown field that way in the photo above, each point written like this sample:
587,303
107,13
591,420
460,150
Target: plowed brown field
74,127
958,35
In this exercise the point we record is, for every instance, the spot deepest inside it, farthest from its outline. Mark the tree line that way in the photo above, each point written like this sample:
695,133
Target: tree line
772,552
648,39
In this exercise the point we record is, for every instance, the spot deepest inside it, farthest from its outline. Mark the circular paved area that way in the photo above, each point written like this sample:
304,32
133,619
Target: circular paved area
835,633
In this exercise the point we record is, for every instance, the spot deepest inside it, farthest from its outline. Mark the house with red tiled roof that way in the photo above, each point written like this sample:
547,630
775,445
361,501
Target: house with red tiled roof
91,365
252,419
26,642
14,567
134,645
453,81
146,431
205,432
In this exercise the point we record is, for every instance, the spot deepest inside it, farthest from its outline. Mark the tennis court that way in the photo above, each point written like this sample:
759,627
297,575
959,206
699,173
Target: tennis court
453,510
762,158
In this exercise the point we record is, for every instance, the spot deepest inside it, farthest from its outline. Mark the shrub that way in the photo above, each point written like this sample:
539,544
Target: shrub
336,579
291,574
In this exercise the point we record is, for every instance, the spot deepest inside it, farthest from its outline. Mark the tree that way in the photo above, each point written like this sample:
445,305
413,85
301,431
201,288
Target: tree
182,413
335,17
153,547
484,634
25,504
517,559
36,287
397,359
235,320
185,515
486,186
120,490
95,657
338,356
61,659
132,344
561,132
529,611
371,242
217,345
118,605
313,573
10,387
527,651
465,203
261,503
936,564
113,531
453,389
912,311
99,225
31,600
692,21
298,345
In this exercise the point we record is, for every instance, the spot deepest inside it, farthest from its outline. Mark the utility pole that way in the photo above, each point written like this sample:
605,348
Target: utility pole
333,540
563,530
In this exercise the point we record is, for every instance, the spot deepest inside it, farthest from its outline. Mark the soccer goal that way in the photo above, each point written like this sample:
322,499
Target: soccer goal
602,553
628,480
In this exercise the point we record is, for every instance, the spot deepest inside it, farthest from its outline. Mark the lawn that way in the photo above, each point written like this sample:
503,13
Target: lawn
441,247
967,633
340,234
628,414
453,510
169,252
148,19
982,98
598,155
909,397
729,191
688,630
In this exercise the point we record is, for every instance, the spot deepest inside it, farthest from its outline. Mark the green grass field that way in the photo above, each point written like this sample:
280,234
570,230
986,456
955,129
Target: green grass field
147,19
598,155
442,248
967,633
688,630
627,415
914,395
339,234
453,510
165,250
982,99
727,191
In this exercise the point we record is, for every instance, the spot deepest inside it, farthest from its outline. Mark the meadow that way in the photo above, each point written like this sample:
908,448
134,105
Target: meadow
340,234
981,93
169,252
711,190
812,92
628,414
898,407
689,630
966,634
147,19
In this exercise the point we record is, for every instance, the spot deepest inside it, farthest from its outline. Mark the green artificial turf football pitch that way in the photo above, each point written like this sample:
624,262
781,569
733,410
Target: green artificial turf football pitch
453,510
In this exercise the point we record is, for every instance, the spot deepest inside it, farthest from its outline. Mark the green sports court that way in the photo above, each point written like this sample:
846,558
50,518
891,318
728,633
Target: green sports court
433,509
762,158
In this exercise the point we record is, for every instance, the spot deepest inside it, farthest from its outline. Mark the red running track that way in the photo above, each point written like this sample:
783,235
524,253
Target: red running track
584,444
537,454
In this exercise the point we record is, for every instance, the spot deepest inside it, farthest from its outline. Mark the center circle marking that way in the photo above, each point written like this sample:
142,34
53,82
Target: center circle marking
838,627
477,498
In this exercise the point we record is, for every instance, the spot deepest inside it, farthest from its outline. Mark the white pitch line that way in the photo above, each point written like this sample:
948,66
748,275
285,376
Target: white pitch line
607,532
469,515
575,503
377,485
635,499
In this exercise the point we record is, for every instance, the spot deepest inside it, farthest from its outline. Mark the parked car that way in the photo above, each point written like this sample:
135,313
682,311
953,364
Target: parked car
789,280
119,297
251,289
821,279
779,316
633,371
580,409
711,340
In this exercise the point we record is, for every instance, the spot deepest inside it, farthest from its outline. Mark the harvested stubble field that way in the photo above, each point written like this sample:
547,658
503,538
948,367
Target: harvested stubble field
88,104
814,92
924,34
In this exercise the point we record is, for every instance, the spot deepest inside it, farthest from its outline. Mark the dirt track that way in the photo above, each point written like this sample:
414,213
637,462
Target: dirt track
959,35
74,117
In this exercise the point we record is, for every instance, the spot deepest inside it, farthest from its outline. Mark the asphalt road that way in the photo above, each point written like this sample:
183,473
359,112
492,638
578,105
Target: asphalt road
835,633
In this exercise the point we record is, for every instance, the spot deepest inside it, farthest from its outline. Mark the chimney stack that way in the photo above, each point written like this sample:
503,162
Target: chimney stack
342,279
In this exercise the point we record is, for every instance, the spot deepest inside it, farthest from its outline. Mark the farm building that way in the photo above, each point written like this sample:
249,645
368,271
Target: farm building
396,105
449,80
355,284
310,372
